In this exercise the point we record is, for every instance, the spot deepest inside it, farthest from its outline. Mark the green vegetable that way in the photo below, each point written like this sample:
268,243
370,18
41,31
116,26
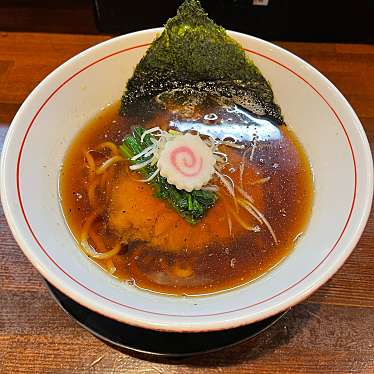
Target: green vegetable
196,53
192,206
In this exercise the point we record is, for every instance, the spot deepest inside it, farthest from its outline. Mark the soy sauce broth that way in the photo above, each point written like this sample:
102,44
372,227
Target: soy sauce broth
279,177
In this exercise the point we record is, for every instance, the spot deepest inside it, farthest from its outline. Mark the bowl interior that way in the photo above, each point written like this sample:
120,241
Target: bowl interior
58,108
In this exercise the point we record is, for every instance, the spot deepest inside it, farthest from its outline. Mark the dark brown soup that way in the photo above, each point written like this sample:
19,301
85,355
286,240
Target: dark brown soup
152,246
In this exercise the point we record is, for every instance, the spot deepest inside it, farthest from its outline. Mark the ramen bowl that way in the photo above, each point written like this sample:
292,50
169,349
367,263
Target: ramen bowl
61,105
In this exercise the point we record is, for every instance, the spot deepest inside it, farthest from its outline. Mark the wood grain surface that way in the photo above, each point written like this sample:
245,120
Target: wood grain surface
331,332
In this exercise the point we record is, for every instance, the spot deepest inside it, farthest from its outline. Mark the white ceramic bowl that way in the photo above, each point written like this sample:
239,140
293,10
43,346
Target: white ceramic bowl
63,102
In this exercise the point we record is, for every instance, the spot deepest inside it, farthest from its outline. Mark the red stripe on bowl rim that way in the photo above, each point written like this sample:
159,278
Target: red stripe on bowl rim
166,314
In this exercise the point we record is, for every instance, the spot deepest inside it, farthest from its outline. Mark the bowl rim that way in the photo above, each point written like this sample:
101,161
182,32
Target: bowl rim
17,233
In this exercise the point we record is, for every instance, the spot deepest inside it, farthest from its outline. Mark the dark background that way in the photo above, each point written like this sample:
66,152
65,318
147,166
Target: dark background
295,20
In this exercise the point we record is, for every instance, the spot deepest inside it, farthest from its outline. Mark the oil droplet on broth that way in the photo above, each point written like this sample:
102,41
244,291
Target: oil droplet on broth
237,124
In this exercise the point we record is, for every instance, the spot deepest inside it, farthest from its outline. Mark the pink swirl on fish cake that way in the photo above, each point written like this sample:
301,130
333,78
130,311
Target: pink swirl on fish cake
185,161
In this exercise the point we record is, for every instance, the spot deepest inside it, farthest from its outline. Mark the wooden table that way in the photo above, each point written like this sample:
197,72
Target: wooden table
331,332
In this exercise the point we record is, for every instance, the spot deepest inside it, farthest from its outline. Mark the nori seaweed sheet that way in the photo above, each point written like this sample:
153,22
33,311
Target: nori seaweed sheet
193,52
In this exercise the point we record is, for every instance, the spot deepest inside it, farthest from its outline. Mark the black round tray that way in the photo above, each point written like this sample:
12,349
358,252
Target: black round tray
153,342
